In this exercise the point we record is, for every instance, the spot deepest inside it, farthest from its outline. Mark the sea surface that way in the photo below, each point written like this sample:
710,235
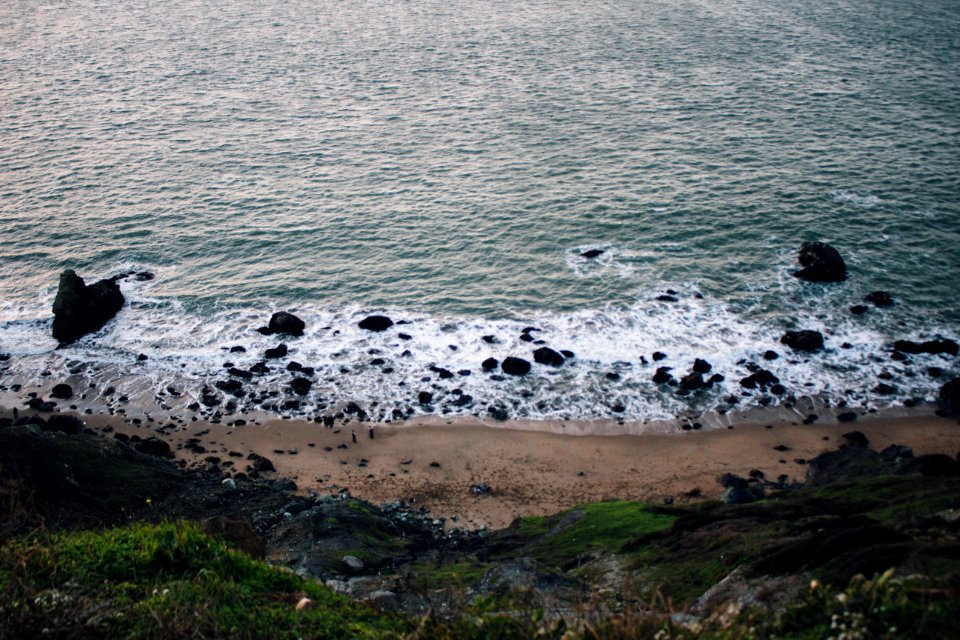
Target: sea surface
446,163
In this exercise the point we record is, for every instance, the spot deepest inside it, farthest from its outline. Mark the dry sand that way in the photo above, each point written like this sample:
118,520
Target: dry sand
534,472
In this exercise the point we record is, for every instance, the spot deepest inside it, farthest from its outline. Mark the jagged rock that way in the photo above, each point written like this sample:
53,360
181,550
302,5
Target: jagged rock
240,373
821,263
702,366
79,309
949,397
546,355
375,323
879,298
287,323
692,381
760,378
230,386
805,340
515,366
61,391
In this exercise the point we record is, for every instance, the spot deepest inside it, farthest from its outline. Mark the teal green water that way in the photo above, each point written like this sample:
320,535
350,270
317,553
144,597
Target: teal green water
448,161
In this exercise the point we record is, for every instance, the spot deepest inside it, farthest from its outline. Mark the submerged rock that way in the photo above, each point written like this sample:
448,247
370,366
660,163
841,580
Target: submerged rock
821,263
879,298
592,253
79,309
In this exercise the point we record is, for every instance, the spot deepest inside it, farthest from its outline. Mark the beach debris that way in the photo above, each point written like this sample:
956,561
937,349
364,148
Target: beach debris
546,355
79,309
375,323
515,366
61,391
435,464
303,603
821,263
804,340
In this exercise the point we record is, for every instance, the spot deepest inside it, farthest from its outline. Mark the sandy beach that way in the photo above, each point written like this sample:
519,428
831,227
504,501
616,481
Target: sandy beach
528,472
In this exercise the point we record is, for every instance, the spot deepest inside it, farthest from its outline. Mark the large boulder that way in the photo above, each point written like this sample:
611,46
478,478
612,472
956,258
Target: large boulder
79,309
821,263
546,355
283,322
805,340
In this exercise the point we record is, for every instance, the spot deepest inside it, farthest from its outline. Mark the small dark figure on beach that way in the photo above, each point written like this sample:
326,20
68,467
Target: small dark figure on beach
353,434
370,431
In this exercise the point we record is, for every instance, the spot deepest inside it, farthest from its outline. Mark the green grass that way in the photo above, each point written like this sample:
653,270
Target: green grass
168,580
601,527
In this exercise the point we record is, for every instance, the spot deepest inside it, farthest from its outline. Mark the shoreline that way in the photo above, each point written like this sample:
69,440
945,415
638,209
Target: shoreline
528,469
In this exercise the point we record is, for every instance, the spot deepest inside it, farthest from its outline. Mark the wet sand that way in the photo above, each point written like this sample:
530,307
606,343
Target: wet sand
433,463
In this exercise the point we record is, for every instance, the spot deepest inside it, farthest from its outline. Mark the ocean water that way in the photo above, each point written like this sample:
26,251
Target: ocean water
447,162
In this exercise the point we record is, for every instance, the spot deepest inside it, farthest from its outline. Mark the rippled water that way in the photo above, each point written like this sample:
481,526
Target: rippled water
448,161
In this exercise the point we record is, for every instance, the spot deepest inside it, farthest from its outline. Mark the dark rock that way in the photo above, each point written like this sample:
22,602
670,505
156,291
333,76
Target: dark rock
61,391
230,386
935,465
490,364
858,309
405,336
879,298
287,323
293,365
260,464
237,531
546,355
946,346
566,353
658,356
376,323
805,340
702,366
847,463
665,297
154,447
770,354
662,376
490,339
79,309
856,439
498,413
526,337
847,416
739,490
277,352
238,349
692,381
821,263
64,424
424,397
896,453
592,253
443,374
760,378
515,366
301,386
949,397
885,389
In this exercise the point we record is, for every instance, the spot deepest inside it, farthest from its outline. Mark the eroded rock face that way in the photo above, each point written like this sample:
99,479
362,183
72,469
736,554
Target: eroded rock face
79,309
821,263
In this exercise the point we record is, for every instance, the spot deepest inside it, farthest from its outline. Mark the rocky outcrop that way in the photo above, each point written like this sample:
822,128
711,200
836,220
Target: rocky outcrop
546,355
944,346
949,397
285,323
805,340
79,309
821,263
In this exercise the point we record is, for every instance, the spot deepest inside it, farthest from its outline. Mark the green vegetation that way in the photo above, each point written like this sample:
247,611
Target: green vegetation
168,580
171,580
593,528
